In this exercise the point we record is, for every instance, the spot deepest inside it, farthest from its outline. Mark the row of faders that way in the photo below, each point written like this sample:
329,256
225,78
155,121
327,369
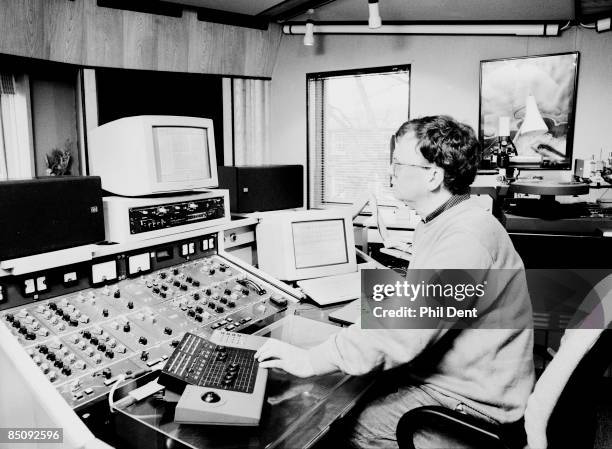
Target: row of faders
84,340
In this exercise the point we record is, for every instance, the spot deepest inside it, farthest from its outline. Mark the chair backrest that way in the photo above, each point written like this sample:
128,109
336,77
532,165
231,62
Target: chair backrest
560,410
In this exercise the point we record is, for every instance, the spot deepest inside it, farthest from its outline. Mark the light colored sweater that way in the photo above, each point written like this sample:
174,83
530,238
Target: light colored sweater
490,370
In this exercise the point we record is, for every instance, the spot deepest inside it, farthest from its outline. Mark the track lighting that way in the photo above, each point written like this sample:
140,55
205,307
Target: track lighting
537,29
374,20
309,33
602,25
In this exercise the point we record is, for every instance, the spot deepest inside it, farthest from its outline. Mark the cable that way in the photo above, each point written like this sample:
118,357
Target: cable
111,402
587,26
128,400
568,25
248,282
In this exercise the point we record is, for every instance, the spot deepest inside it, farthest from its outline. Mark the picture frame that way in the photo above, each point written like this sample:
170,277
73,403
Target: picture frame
506,84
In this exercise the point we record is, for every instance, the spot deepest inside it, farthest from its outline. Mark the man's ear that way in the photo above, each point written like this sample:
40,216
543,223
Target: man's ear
435,178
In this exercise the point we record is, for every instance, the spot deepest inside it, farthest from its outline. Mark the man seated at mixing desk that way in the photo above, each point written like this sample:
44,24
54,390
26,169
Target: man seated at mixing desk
487,373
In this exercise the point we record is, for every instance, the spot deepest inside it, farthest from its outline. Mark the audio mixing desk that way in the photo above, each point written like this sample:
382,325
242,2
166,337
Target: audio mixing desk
295,413
83,334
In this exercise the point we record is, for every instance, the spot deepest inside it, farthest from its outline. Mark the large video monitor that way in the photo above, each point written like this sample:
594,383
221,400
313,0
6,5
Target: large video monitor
154,154
306,244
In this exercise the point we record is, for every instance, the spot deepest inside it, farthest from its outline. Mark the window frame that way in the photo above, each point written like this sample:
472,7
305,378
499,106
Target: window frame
314,76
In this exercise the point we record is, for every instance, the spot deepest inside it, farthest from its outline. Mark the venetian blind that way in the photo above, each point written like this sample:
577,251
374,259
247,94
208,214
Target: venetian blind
351,116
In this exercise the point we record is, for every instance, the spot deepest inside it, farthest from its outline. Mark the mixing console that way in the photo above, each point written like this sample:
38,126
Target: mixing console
83,340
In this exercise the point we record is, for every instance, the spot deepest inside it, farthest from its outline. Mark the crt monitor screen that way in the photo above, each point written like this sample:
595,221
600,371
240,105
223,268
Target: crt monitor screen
306,244
154,154
319,243
181,153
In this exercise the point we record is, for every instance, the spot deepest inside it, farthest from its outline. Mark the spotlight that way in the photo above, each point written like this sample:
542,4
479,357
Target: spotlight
374,20
309,34
603,25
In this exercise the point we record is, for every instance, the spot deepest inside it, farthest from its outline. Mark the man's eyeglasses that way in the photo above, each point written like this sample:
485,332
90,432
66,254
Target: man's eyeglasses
395,164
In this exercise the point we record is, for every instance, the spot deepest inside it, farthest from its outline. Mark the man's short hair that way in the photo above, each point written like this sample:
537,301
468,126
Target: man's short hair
450,145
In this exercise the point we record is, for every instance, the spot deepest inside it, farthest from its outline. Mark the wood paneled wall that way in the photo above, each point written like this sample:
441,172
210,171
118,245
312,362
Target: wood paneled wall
79,32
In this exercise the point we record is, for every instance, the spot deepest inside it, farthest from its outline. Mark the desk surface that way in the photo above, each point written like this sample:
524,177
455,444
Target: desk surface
297,412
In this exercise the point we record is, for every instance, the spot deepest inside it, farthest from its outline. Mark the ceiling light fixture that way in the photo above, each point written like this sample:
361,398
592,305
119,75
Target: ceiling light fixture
374,20
538,29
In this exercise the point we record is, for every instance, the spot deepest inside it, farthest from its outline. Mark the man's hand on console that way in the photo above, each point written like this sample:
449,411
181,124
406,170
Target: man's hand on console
289,358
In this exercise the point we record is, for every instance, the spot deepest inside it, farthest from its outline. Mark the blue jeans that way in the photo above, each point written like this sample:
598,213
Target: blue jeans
375,424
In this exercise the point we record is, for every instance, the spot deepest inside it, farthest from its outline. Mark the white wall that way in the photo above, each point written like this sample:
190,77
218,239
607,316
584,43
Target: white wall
445,79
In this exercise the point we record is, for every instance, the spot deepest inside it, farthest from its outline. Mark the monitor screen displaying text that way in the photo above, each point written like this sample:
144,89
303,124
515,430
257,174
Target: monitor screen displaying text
319,243
181,153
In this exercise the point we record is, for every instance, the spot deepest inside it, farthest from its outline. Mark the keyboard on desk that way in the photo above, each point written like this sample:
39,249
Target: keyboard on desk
220,380
333,289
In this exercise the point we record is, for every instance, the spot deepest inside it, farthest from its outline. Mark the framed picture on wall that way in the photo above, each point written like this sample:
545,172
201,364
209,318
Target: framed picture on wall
531,100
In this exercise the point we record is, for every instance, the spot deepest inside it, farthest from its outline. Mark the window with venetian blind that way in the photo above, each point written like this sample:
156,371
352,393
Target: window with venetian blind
351,117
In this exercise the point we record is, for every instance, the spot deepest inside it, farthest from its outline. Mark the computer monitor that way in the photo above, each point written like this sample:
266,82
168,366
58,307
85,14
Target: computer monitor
154,154
306,244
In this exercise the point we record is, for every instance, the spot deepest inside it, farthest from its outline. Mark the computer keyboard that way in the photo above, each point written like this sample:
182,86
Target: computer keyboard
333,289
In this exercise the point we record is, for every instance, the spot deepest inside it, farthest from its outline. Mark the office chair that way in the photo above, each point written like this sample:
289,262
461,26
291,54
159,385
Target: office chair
560,412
